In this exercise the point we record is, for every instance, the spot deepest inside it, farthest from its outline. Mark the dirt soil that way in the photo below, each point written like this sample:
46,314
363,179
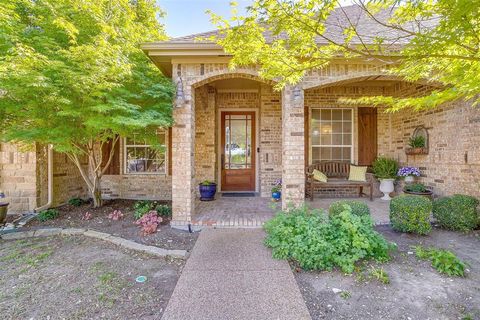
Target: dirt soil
415,291
71,217
82,278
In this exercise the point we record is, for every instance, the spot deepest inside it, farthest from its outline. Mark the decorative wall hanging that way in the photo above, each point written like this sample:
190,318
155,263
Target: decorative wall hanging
418,142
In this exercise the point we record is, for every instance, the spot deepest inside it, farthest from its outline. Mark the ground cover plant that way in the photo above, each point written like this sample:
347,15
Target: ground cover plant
359,208
409,213
317,241
143,207
48,214
458,212
444,261
76,202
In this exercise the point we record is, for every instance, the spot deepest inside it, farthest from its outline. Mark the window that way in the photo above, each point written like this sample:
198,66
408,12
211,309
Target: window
141,158
331,135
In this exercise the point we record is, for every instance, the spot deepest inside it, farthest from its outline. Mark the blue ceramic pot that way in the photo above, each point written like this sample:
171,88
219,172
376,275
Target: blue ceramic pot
276,196
207,192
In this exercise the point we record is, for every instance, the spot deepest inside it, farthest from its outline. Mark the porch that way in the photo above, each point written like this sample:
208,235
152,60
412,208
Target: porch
253,212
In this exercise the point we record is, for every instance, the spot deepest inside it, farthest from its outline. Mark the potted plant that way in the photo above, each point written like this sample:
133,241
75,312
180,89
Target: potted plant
418,189
416,145
277,191
3,209
385,170
207,190
409,173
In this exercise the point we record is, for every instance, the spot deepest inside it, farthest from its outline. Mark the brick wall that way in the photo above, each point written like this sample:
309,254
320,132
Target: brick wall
18,177
453,162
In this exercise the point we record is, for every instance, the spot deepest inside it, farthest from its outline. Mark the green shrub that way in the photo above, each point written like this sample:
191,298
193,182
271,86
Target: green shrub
385,168
409,213
443,261
316,241
164,210
416,187
142,207
48,214
458,212
359,208
76,202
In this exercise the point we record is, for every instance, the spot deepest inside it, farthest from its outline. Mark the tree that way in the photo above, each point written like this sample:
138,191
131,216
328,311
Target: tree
434,40
72,75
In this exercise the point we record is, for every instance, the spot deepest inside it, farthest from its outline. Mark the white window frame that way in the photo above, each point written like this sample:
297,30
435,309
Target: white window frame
125,155
352,141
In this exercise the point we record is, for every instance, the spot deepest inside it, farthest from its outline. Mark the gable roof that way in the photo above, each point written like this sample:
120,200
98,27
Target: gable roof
340,18
368,28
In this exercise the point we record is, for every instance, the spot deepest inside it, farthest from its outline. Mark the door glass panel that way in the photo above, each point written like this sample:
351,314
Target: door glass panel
238,139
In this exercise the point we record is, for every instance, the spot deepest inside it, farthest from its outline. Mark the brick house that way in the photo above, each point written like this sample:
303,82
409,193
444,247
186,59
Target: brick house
233,128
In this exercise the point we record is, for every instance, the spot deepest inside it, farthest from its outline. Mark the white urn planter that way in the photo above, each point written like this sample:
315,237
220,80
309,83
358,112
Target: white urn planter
386,186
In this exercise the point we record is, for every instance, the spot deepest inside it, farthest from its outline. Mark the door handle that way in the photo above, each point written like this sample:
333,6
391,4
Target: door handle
222,160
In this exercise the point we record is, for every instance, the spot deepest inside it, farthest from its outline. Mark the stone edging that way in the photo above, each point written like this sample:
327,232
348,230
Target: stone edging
124,243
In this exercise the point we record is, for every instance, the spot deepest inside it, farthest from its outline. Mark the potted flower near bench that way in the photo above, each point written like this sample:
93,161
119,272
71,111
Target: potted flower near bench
385,170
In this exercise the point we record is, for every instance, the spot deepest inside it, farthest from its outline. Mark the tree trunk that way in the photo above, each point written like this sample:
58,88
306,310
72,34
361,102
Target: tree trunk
97,195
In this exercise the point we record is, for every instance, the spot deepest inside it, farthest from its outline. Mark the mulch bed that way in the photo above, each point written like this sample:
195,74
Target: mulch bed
415,291
71,217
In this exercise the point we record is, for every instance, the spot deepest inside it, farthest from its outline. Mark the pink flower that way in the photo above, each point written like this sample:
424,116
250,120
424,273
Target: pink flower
87,216
149,222
115,215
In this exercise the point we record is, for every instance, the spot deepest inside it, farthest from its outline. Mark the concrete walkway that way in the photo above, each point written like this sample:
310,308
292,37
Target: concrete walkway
231,275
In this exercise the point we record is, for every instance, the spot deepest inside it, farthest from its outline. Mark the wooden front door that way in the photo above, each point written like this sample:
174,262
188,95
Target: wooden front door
238,151
367,135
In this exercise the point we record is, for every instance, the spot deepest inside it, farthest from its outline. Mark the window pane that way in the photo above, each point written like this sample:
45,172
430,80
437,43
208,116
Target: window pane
315,154
316,114
347,152
347,114
337,115
337,127
326,128
337,139
325,153
326,114
337,154
143,159
326,139
347,139
347,127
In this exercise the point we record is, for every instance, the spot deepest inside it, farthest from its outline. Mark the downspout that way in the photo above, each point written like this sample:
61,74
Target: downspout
50,180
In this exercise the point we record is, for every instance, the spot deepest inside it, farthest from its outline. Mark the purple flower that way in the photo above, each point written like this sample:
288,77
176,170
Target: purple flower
408,171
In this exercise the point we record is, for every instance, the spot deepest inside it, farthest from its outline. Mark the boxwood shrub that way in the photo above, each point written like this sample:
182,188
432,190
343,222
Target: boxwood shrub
409,213
359,208
458,212
317,241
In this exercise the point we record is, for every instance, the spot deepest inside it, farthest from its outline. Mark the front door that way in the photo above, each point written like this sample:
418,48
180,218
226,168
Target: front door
238,151
367,135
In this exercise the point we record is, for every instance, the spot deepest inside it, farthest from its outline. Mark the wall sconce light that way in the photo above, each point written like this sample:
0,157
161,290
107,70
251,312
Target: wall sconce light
179,96
297,96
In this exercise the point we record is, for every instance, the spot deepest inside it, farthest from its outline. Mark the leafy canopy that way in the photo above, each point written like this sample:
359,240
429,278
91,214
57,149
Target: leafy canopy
72,72
433,40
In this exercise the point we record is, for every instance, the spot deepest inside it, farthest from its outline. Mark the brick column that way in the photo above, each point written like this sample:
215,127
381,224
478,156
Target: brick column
183,163
293,147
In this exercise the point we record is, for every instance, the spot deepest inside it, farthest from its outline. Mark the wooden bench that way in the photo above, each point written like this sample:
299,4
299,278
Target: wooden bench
337,174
